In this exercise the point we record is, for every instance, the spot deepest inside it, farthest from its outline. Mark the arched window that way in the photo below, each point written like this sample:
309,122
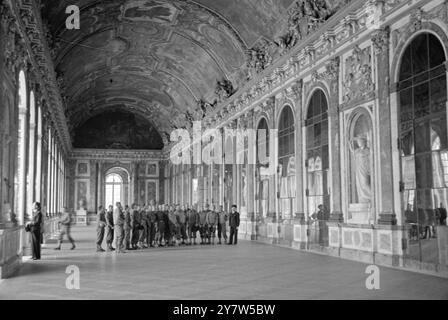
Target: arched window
286,162
262,191
39,155
31,154
19,180
317,162
422,96
114,188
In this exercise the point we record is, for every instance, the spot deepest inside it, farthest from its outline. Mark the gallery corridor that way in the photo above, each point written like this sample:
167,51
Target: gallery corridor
247,271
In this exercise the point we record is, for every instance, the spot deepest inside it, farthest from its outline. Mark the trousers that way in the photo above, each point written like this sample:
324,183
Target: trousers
99,235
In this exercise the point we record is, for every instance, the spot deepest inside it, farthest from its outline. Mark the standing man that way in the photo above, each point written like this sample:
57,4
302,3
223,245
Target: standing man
182,220
152,225
135,224
203,224
160,226
222,224
34,227
144,227
65,224
212,223
193,224
234,222
173,226
127,228
101,219
119,227
110,228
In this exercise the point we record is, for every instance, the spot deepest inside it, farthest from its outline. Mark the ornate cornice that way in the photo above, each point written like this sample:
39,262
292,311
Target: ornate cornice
123,155
31,46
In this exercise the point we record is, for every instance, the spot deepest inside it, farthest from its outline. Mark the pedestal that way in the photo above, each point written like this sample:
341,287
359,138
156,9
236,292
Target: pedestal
81,217
359,213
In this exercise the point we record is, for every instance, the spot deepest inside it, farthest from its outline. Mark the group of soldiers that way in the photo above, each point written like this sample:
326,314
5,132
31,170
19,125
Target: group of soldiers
140,227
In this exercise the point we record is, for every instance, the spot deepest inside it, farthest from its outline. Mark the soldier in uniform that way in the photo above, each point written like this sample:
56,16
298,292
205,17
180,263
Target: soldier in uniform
152,225
135,224
144,227
182,221
65,223
161,225
127,227
173,226
119,227
234,222
222,225
203,224
193,224
110,228
212,223
101,219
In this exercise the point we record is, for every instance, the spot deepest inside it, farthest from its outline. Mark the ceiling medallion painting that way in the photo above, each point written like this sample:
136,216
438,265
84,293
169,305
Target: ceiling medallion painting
149,11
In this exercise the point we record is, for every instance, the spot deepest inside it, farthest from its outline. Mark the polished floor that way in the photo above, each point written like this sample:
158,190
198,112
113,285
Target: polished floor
247,271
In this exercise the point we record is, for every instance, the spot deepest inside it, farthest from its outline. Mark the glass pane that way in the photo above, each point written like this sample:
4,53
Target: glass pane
438,94
422,137
423,171
407,143
421,100
438,134
406,65
419,47
408,174
436,52
406,110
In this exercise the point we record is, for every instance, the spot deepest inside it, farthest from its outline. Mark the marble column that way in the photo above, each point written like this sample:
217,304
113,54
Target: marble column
332,77
380,42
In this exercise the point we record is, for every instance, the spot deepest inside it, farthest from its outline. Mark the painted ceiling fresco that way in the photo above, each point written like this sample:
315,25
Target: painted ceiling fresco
117,130
153,58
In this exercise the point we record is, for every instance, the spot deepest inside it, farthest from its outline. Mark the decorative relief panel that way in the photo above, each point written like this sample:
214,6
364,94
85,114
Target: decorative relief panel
358,77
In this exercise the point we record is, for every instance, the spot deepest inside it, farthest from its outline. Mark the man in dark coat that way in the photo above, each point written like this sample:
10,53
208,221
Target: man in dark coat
234,222
34,227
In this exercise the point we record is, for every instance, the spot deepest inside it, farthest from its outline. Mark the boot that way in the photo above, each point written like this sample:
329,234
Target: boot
99,249
219,241
59,246
73,246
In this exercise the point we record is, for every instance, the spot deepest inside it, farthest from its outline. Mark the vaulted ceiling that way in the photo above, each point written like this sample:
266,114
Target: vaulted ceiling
154,58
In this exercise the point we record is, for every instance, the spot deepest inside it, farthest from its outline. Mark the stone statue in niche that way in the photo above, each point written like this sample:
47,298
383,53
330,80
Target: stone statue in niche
362,168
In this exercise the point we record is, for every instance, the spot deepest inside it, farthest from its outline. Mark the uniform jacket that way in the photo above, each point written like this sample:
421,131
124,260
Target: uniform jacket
223,217
160,216
193,217
109,219
101,218
119,217
212,218
152,216
181,216
172,217
203,217
127,219
135,219
234,220
66,219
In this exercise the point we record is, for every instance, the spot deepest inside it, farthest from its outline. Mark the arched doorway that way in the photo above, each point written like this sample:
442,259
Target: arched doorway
317,167
286,163
20,172
116,187
262,174
422,96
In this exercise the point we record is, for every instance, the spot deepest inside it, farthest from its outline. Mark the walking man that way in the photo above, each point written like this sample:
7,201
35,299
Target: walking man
135,224
152,225
65,225
110,228
143,227
234,222
101,218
